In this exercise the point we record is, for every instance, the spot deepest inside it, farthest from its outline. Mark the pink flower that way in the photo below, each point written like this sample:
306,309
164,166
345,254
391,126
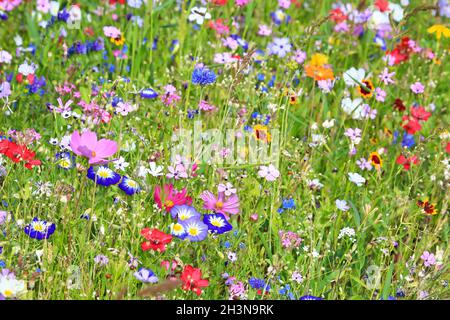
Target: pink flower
220,204
111,32
170,197
270,173
380,94
417,88
177,172
264,30
43,6
88,146
428,259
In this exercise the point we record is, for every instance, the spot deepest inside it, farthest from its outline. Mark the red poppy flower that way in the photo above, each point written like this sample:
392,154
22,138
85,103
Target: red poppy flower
411,124
337,15
219,2
18,153
420,113
407,162
156,240
192,280
447,148
382,5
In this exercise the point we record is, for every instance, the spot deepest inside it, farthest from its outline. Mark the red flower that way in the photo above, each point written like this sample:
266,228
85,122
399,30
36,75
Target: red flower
156,240
18,153
420,113
447,148
411,124
382,5
170,197
398,104
192,280
337,15
219,2
407,162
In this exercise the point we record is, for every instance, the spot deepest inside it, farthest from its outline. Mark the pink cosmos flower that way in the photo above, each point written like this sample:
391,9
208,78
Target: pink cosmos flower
220,204
88,146
170,197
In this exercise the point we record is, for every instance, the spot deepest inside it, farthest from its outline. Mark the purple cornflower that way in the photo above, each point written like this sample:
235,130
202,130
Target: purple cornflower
101,260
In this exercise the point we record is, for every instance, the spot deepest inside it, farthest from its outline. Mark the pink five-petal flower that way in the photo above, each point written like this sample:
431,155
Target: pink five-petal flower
88,146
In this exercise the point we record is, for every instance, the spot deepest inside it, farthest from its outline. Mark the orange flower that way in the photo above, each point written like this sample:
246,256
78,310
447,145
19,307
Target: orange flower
319,72
428,208
366,90
376,160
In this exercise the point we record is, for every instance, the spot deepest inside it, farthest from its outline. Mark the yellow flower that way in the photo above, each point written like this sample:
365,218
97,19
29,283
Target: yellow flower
440,30
261,133
318,60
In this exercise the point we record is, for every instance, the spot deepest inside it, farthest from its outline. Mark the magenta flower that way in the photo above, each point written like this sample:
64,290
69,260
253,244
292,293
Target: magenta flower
88,146
220,204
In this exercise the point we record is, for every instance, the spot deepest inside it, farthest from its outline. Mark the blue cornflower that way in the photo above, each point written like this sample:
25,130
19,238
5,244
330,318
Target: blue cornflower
103,176
203,76
257,283
286,291
408,140
308,297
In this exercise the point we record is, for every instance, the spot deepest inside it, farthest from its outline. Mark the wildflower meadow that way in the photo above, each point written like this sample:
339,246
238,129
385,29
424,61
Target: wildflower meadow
224,150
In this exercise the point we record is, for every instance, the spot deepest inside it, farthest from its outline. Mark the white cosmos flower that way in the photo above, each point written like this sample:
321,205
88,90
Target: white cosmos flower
10,287
353,107
199,15
352,76
356,178
155,170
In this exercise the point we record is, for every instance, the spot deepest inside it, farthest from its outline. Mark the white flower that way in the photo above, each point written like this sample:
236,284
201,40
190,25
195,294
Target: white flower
342,205
270,173
228,189
65,143
328,123
353,76
135,3
5,57
396,11
314,184
353,108
27,69
18,40
347,232
199,15
10,287
155,170
356,178
120,164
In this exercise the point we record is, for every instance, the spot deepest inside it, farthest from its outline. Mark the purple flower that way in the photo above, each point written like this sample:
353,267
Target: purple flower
3,215
428,259
342,205
386,77
5,90
380,94
369,112
364,164
353,134
196,230
280,47
417,87
146,276
101,260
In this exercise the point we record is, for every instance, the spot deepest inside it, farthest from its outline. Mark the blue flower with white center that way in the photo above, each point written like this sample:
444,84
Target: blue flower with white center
196,230
203,76
103,176
129,186
379,41
184,212
309,298
278,17
178,230
217,223
242,43
39,229
65,160
146,276
148,93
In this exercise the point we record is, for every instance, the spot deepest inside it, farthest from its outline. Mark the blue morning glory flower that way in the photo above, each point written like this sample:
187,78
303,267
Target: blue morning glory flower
103,176
148,93
196,230
146,276
129,186
39,229
65,160
184,212
217,223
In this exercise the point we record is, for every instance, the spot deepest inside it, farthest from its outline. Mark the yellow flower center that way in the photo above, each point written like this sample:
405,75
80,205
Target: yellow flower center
219,204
